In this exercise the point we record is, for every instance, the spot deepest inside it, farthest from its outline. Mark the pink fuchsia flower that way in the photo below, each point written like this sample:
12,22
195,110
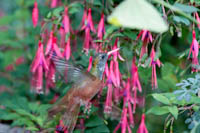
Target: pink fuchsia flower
50,75
89,22
52,45
194,49
35,14
87,41
90,64
10,67
54,3
62,37
67,51
37,67
142,128
101,28
116,54
84,19
88,26
108,103
19,60
146,37
153,64
135,76
123,123
198,19
66,21
128,102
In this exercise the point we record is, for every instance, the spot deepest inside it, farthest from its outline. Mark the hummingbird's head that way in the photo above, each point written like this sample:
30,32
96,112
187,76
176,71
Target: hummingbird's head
99,62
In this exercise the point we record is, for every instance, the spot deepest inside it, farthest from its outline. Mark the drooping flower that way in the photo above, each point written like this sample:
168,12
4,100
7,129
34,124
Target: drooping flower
66,21
84,19
86,45
135,76
108,103
194,49
35,14
128,102
146,38
101,28
88,26
54,3
62,37
142,128
19,60
50,75
38,66
10,67
153,64
89,21
90,64
67,51
52,45
198,19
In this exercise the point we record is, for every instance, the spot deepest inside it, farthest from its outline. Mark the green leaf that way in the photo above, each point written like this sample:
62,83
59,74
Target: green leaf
138,14
98,129
180,19
161,98
6,19
57,11
132,35
174,111
32,128
158,110
186,8
94,121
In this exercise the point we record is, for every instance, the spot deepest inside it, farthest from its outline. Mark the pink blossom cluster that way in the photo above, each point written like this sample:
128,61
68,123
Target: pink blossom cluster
117,88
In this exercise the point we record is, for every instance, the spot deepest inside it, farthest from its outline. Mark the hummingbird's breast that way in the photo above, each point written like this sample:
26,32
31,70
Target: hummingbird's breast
87,89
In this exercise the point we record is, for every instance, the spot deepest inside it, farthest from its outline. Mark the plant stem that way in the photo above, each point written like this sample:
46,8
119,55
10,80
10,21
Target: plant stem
178,11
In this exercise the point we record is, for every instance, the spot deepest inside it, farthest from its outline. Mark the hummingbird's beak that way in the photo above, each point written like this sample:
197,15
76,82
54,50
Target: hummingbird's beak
112,51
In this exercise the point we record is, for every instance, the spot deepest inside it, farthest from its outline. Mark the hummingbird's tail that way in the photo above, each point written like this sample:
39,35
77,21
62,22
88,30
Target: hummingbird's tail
68,109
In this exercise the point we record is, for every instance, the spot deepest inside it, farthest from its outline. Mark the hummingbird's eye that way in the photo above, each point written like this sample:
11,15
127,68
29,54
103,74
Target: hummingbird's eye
102,57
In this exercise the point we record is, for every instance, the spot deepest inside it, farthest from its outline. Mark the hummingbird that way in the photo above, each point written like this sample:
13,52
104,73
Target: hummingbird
85,86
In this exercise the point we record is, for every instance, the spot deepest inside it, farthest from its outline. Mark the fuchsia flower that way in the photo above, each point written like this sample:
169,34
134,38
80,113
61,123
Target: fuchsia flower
54,3
62,37
146,38
37,67
10,67
128,102
90,64
50,75
86,45
108,103
88,23
101,28
84,19
142,128
52,45
19,60
35,14
198,19
67,28
67,51
135,76
153,63
88,26
66,21
194,48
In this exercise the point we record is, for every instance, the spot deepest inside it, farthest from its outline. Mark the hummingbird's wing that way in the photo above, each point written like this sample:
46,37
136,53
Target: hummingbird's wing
68,71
